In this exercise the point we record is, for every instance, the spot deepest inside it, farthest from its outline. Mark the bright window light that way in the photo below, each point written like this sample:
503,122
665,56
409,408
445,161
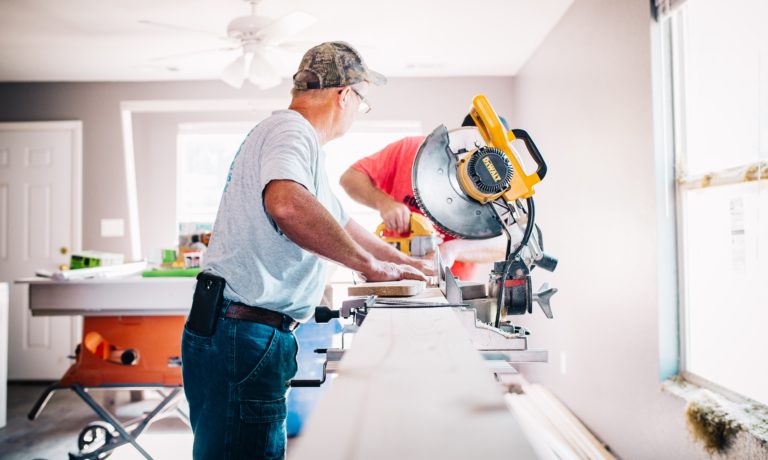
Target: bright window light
206,150
721,87
363,139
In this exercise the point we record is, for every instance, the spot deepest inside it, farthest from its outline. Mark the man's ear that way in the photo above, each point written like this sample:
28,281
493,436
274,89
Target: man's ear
342,97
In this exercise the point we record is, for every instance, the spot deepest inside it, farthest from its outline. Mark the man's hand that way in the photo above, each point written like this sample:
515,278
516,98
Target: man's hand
360,187
388,271
385,252
449,251
425,265
396,216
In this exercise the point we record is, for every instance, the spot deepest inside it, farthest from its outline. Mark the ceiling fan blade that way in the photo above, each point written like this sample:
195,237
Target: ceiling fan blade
295,46
192,53
262,73
234,73
285,27
182,28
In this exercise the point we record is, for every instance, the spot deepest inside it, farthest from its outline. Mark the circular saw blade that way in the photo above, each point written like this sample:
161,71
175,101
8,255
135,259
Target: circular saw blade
437,190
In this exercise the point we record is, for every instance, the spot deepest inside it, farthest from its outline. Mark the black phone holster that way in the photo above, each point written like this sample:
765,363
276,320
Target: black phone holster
208,298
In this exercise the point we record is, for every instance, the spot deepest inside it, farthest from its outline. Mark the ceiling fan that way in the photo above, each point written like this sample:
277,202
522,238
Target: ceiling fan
256,37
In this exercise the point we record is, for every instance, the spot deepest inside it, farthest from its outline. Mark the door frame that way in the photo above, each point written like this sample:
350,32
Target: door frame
75,127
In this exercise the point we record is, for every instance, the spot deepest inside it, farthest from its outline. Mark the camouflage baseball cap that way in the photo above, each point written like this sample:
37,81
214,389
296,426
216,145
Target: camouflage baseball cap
332,65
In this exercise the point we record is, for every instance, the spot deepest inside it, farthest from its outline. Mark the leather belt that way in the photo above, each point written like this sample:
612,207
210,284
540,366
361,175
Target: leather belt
237,310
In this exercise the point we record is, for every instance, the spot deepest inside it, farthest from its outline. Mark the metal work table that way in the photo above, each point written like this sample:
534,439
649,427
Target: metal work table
413,385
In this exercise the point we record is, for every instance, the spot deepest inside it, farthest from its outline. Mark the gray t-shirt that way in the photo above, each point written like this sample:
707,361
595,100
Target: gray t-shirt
261,265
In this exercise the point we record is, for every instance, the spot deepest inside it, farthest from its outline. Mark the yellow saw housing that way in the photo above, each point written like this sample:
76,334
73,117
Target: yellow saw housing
418,242
494,171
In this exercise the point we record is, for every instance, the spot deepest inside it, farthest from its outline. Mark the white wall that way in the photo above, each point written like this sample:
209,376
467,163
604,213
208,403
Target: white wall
429,100
586,98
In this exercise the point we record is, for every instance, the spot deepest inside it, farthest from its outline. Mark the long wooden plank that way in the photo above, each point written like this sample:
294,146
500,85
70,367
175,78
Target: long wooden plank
412,387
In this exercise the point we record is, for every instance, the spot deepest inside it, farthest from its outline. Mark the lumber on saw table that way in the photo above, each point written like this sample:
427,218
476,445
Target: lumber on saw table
412,387
472,289
402,288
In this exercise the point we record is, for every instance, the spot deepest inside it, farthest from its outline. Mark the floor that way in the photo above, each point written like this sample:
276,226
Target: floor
54,434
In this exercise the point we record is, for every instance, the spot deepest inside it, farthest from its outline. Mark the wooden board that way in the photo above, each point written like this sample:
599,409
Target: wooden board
404,288
472,289
412,387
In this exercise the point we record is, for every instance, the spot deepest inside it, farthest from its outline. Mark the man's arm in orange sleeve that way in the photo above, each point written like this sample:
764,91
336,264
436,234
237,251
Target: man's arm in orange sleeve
364,181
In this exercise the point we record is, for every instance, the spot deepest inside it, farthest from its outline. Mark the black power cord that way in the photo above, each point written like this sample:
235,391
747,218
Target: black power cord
526,236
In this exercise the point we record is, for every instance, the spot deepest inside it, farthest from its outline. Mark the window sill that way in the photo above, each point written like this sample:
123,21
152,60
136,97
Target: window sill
720,421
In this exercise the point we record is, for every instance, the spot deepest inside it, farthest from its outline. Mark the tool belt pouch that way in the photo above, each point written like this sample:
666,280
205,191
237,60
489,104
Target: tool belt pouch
208,298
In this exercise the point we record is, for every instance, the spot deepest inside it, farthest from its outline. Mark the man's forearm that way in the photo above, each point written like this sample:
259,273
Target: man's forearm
477,251
384,251
308,224
374,245
358,185
361,189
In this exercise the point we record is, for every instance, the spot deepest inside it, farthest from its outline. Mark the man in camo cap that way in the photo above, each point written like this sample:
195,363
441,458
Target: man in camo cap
277,224
332,65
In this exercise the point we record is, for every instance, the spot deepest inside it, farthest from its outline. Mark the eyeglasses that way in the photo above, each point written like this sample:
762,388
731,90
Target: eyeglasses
364,106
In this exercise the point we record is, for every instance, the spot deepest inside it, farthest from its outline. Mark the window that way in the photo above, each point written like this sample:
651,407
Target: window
206,150
720,75
365,138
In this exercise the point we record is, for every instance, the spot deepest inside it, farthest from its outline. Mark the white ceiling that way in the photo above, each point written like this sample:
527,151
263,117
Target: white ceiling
103,40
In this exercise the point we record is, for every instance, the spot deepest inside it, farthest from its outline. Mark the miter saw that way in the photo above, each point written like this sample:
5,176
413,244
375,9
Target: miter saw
471,183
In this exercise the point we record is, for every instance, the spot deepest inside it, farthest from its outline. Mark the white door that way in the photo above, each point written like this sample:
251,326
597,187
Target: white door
40,225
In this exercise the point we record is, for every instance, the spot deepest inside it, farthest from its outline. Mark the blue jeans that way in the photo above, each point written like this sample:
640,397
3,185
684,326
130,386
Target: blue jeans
236,382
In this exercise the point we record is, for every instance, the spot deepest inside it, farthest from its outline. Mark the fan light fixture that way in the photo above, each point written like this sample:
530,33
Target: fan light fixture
253,66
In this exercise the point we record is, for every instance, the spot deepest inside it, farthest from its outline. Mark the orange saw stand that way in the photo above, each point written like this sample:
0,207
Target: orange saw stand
123,353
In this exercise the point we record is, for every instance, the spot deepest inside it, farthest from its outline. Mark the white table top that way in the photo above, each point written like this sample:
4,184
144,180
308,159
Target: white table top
126,296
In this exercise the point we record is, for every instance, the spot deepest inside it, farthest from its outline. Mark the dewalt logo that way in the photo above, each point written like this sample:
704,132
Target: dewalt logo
491,169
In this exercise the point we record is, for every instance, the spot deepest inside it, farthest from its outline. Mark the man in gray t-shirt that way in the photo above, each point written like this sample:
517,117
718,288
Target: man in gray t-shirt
278,223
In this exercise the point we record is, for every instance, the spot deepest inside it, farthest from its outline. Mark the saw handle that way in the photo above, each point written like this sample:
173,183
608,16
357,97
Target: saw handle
541,171
382,228
324,314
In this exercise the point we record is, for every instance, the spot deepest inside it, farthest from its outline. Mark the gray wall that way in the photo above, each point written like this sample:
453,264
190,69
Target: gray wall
429,100
586,98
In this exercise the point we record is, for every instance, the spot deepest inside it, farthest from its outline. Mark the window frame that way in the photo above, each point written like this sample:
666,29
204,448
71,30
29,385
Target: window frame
234,127
673,33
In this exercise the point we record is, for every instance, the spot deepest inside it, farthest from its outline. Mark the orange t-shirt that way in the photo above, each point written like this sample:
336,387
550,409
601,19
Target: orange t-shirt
390,171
